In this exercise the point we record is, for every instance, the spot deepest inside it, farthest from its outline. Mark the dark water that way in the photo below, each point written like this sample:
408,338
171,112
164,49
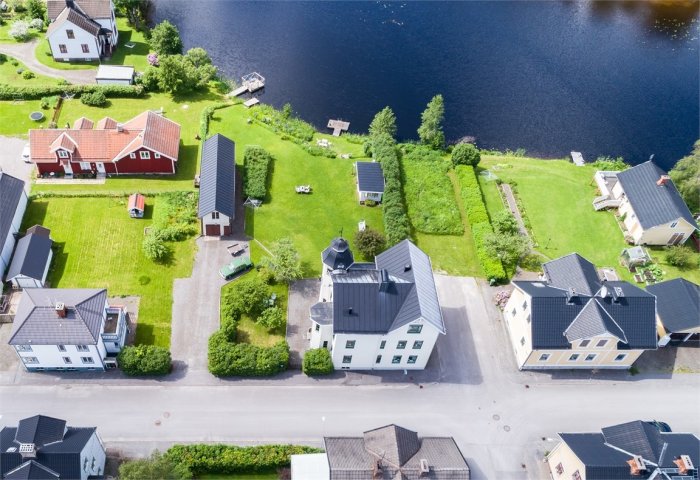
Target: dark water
604,78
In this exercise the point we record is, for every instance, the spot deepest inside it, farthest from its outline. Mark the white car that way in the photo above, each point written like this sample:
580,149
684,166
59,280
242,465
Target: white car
25,154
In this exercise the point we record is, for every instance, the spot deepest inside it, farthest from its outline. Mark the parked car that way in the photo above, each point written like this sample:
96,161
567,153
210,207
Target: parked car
236,266
25,154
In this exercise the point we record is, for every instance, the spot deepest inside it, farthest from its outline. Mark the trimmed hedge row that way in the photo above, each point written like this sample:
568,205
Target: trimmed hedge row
317,361
256,165
206,116
10,92
230,459
479,222
396,225
144,360
228,359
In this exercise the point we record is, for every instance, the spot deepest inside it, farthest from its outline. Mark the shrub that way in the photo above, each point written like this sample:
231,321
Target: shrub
149,79
283,125
248,296
466,154
317,361
19,31
283,261
144,360
508,247
49,102
10,92
94,99
152,59
610,163
370,242
504,222
679,256
206,116
245,360
37,24
165,39
396,225
271,318
154,246
256,165
158,466
28,74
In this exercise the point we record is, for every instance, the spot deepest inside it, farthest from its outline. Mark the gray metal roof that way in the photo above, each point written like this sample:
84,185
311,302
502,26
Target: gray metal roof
338,255
677,304
322,313
572,271
31,470
653,204
31,256
36,321
40,430
370,177
11,191
217,183
593,320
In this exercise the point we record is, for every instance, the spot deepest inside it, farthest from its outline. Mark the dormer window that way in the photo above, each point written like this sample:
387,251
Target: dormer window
63,154
673,225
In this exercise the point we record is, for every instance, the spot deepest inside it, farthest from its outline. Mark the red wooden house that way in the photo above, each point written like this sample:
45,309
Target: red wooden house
148,143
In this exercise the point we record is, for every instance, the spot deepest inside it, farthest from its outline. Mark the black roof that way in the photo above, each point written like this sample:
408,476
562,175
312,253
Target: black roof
338,255
11,190
40,430
31,470
217,182
31,256
572,271
653,204
677,304
370,177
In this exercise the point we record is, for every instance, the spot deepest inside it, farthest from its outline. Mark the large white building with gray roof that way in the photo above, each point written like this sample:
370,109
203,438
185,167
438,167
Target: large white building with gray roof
68,329
383,315
13,203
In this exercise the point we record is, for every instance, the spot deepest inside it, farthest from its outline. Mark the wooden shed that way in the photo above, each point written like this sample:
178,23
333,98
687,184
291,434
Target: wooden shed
136,205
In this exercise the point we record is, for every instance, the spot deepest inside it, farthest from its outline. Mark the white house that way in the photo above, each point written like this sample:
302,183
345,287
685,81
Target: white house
68,329
45,447
648,203
370,181
217,186
377,316
13,203
32,258
81,30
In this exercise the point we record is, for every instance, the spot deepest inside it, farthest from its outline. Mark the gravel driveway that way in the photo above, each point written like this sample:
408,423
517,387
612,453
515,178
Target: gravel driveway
25,53
11,160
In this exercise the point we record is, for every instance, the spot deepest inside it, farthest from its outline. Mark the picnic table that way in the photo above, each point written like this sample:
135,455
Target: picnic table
236,249
303,188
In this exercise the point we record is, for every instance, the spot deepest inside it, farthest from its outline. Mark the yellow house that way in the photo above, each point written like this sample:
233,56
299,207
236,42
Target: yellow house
573,320
630,450
677,310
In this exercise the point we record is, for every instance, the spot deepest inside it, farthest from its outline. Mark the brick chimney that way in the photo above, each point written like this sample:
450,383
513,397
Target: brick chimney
663,179
61,309
637,466
684,464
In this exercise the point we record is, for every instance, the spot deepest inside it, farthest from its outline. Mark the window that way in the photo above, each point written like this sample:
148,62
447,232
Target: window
525,305
318,327
620,357
601,343
528,318
415,328
85,165
23,348
132,155
522,341
347,358
92,465
574,357
63,48
401,345
591,356
513,312
156,155
63,154
82,348
559,468
87,360
584,343
85,464
85,47
673,225
350,344
67,360
396,359
70,34
145,155
61,348
325,344
382,345
379,359
418,344
116,344
30,360
215,215
576,475
412,358
544,357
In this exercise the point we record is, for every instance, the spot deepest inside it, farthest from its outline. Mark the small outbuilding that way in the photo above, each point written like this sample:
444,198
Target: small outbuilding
370,181
136,205
677,310
217,186
634,257
114,75
32,258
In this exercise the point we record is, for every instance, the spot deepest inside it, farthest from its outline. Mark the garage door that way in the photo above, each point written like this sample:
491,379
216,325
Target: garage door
227,229
212,230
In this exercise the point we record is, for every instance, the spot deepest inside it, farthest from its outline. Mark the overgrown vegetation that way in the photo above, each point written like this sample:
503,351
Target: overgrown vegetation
610,163
283,261
396,225
256,166
506,243
157,466
283,124
686,176
369,242
680,256
317,361
144,360
173,223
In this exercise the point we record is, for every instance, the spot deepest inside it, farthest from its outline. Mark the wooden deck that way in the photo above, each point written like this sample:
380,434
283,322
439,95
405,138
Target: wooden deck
578,159
251,102
338,126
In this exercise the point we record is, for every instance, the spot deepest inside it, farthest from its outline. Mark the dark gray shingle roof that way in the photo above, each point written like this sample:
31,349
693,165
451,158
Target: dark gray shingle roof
217,187
677,304
31,256
572,271
653,204
392,443
593,320
370,177
40,430
11,191
36,321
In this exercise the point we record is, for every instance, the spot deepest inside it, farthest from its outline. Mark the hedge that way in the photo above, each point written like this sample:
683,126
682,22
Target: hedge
317,361
479,221
396,225
228,359
144,360
206,116
230,459
276,121
10,92
256,166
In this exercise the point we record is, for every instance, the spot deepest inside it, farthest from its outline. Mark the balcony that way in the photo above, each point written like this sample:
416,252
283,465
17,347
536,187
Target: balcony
115,324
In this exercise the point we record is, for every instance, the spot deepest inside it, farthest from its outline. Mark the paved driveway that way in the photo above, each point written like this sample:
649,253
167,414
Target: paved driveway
302,295
25,53
11,160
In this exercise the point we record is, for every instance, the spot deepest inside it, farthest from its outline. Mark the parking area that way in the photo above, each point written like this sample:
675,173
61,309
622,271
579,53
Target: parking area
302,295
11,159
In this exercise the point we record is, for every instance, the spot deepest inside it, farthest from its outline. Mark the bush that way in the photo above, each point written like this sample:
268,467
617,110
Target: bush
149,79
282,125
466,154
248,296
37,24
19,31
165,39
144,360
154,246
158,466
28,74
49,102
370,242
610,163
271,318
283,261
245,360
396,225
505,223
152,59
317,361
10,92
256,165
206,116
679,256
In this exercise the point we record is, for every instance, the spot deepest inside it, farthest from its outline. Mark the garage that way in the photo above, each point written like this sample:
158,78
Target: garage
217,186
212,230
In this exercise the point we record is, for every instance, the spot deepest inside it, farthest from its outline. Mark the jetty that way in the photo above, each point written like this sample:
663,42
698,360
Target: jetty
578,159
251,102
249,84
338,126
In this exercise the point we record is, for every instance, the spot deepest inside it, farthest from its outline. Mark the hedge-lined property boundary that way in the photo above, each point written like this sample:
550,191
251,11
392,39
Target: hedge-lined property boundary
13,92
396,224
479,221
206,116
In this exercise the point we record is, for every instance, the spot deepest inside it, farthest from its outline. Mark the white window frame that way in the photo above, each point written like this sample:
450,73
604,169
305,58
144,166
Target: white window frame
30,360
401,344
70,34
61,348
590,357
378,360
85,47
132,155
415,329
601,343
87,360
347,359
574,357
412,359
673,224
545,357
67,360
417,344
23,348
62,48
145,155
620,357
85,165
396,359
350,344
214,215
156,155
63,153
82,348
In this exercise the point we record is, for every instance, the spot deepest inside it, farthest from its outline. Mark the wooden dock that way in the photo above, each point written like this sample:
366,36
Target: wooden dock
578,159
251,102
338,126
249,84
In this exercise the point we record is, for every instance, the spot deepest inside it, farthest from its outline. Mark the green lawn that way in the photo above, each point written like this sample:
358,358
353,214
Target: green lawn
5,32
43,54
491,195
15,117
97,245
310,220
8,74
557,197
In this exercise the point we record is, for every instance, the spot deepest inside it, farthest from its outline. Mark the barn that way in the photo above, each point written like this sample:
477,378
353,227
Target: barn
217,187
32,258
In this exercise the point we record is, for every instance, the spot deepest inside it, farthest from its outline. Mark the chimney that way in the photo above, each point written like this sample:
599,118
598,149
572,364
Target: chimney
384,281
637,466
424,467
684,464
61,309
27,450
570,295
349,310
663,179
407,267
120,127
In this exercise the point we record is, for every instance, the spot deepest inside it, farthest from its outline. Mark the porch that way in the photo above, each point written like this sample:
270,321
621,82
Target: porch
116,328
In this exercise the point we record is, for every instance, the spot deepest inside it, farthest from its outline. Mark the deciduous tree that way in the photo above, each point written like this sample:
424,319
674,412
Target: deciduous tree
284,261
686,177
165,39
430,130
